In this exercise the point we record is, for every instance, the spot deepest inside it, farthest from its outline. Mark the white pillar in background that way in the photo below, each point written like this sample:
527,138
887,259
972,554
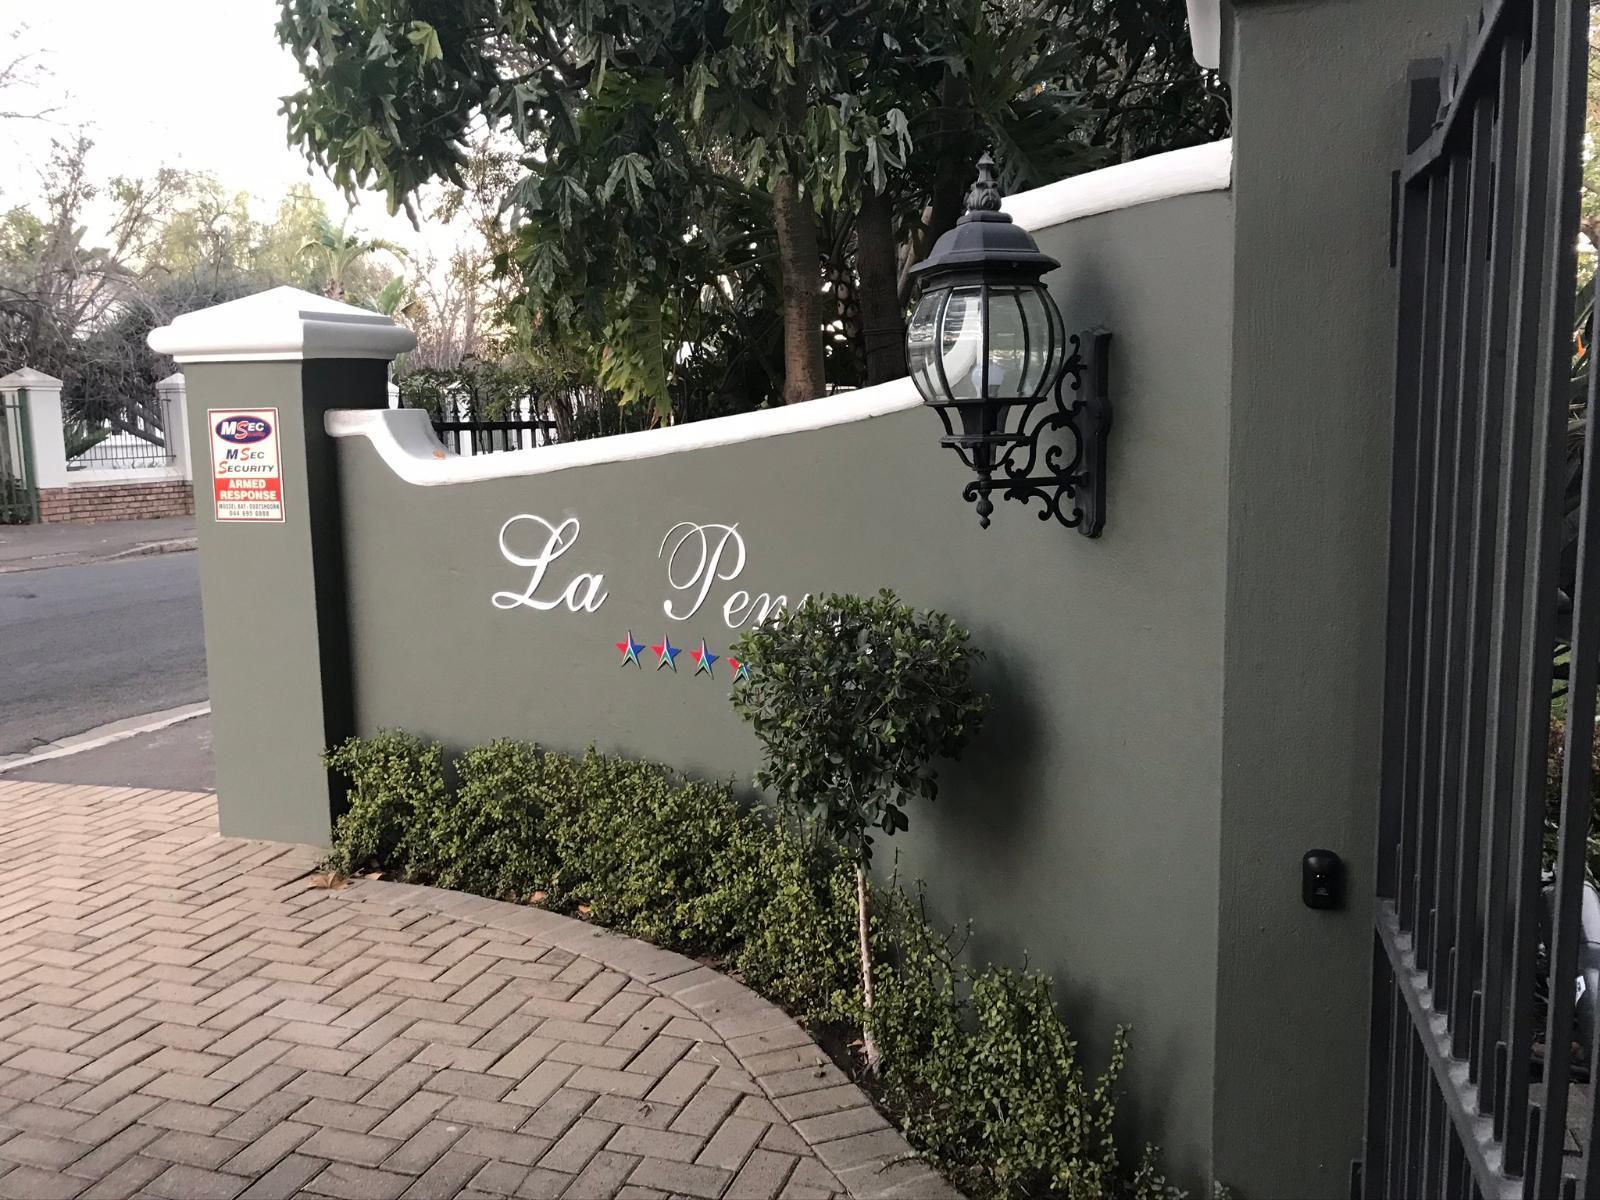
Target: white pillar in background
174,394
41,395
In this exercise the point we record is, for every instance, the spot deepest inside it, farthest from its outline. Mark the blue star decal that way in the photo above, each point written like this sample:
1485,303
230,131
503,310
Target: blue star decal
630,650
703,659
667,654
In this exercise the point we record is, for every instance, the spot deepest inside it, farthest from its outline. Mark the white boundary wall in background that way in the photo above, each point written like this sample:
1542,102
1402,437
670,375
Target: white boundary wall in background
47,432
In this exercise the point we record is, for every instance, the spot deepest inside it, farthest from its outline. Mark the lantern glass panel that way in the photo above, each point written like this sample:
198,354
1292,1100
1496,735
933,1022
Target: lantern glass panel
921,340
944,342
1024,344
961,342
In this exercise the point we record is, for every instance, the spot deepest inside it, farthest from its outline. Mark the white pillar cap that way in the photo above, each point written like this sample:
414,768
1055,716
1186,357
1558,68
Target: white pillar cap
175,380
27,377
1205,32
283,324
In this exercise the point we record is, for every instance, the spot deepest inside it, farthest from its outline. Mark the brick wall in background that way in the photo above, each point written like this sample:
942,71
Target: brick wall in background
116,501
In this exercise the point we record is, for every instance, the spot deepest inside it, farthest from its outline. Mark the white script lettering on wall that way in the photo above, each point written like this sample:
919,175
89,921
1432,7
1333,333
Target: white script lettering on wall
585,593
706,561
698,557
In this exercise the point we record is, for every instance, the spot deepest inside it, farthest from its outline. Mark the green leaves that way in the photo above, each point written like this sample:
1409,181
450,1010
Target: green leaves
396,787
650,131
853,700
426,39
633,170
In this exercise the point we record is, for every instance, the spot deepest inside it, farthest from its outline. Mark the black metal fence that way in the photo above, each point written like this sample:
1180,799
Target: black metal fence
1480,1079
467,424
122,434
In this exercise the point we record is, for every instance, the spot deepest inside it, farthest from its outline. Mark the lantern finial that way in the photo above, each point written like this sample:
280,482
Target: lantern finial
984,195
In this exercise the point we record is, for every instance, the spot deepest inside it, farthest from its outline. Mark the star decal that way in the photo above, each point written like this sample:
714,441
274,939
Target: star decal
703,659
667,654
740,670
630,651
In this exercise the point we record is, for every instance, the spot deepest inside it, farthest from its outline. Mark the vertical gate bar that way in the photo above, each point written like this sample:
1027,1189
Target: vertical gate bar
1484,695
30,481
1379,1039
1444,593
1400,1024
1416,1085
1562,206
1412,246
1521,655
1421,795
1579,776
1462,715
1435,1122
1455,1162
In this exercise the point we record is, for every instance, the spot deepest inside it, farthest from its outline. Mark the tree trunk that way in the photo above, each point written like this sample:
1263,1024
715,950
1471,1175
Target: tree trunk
868,1042
801,264
956,145
883,327
847,303
958,160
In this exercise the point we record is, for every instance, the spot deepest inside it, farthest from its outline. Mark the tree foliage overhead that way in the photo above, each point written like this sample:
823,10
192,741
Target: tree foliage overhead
721,197
79,306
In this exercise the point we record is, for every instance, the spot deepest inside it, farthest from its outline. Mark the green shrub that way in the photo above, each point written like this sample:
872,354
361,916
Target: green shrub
636,846
854,699
979,1067
792,907
985,1077
396,793
493,838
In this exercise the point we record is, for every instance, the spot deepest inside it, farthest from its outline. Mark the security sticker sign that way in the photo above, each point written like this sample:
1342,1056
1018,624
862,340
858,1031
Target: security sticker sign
244,464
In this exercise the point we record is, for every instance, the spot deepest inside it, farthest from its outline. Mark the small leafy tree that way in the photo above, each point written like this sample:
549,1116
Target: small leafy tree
854,699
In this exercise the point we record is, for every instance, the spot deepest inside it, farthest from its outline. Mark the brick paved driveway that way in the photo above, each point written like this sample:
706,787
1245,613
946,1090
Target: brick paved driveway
182,1016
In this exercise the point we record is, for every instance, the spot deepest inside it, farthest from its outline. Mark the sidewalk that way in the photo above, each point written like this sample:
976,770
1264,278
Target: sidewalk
31,547
181,1015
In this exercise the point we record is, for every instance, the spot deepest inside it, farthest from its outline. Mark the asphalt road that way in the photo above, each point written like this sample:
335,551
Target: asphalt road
86,645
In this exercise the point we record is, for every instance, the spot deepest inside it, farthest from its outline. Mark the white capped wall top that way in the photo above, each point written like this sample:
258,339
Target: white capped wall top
284,323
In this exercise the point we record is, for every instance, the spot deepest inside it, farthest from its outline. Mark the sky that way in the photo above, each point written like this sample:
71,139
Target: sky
194,84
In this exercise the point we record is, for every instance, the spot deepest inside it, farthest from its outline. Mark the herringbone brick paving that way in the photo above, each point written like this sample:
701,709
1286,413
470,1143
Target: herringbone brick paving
182,1015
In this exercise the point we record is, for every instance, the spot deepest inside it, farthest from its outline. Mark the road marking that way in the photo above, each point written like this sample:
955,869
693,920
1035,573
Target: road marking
105,735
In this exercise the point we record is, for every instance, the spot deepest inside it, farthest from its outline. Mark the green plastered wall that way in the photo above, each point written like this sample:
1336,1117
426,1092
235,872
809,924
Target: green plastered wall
1181,709
1081,830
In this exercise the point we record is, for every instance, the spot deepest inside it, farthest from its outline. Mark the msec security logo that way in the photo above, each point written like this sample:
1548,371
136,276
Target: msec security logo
242,431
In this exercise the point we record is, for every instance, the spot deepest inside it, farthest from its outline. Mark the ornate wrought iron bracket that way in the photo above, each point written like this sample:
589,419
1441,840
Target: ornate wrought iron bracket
1055,451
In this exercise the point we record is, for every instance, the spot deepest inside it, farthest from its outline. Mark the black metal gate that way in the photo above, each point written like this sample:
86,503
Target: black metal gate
18,499
1482,1021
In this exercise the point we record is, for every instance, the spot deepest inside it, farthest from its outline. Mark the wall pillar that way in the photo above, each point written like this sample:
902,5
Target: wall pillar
41,396
1320,102
174,394
273,590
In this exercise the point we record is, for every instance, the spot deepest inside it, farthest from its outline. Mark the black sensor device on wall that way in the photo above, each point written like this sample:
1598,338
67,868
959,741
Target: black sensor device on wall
1322,879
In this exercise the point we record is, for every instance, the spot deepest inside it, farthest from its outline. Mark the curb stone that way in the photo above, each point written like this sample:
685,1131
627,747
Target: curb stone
870,1159
74,558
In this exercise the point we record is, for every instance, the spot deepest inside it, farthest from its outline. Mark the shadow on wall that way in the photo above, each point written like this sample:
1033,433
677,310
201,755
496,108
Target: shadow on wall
991,798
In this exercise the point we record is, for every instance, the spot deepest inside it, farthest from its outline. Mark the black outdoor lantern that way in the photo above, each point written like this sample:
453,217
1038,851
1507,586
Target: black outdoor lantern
987,344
